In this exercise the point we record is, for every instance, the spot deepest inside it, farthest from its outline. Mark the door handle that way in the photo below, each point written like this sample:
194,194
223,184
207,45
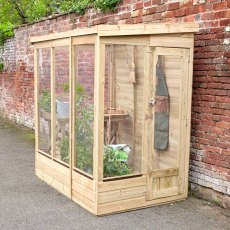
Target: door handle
152,102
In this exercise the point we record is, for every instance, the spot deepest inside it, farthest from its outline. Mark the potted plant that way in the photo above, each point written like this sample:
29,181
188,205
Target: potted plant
115,162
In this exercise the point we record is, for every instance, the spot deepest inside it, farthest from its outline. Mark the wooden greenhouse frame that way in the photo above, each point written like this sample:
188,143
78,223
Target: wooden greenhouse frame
135,51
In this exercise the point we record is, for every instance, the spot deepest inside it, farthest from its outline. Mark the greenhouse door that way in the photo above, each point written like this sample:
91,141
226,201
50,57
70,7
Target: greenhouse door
166,122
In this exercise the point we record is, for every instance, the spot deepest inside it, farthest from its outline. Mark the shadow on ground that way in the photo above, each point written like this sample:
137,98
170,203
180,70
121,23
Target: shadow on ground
28,203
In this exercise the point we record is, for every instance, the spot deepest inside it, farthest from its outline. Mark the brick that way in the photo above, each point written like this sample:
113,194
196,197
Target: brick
218,74
220,6
156,2
173,6
222,14
209,161
216,86
223,164
224,106
223,125
180,12
169,14
226,54
212,149
189,18
186,3
224,139
138,19
216,111
224,22
199,43
147,4
208,16
216,92
161,8
226,113
212,42
139,5
216,156
225,118
195,9
222,99
151,10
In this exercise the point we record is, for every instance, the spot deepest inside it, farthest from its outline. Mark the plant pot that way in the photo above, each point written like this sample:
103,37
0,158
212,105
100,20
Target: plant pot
62,109
45,115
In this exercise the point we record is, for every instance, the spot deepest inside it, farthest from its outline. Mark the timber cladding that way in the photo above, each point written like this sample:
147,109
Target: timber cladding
103,155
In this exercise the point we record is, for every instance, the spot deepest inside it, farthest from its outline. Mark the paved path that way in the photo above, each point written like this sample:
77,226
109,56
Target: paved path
26,203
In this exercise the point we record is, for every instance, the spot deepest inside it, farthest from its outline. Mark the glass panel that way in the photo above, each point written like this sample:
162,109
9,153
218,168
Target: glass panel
124,71
169,72
44,100
84,120
62,103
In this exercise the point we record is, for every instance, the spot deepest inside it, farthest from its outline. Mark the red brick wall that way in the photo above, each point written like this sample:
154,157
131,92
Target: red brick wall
210,142
16,84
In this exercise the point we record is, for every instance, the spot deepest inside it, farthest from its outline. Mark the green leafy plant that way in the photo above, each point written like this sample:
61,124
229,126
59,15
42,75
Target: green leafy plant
84,131
45,101
113,164
79,89
106,4
78,6
1,65
24,11
14,13
64,149
6,31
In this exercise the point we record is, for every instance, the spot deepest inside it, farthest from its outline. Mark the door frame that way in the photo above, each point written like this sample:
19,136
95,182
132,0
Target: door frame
154,175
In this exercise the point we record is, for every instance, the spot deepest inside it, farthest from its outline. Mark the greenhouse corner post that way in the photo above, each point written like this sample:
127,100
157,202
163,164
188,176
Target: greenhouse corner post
99,116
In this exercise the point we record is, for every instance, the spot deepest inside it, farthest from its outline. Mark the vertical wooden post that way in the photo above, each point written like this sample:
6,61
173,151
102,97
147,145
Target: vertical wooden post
98,116
36,90
74,98
149,119
53,104
146,113
72,112
110,78
110,92
188,116
113,74
132,80
154,152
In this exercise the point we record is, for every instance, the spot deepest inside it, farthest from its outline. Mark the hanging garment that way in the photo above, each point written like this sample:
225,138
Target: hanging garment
161,127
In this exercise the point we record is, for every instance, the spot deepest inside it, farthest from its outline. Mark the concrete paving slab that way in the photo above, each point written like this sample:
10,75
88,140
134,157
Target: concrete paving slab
27,203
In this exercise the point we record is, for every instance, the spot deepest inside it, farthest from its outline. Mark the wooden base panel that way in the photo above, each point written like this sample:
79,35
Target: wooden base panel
53,183
53,174
84,202
121,184
114,196
135,204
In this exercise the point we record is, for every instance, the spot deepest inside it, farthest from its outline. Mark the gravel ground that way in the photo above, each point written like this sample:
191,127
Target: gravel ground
28,203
